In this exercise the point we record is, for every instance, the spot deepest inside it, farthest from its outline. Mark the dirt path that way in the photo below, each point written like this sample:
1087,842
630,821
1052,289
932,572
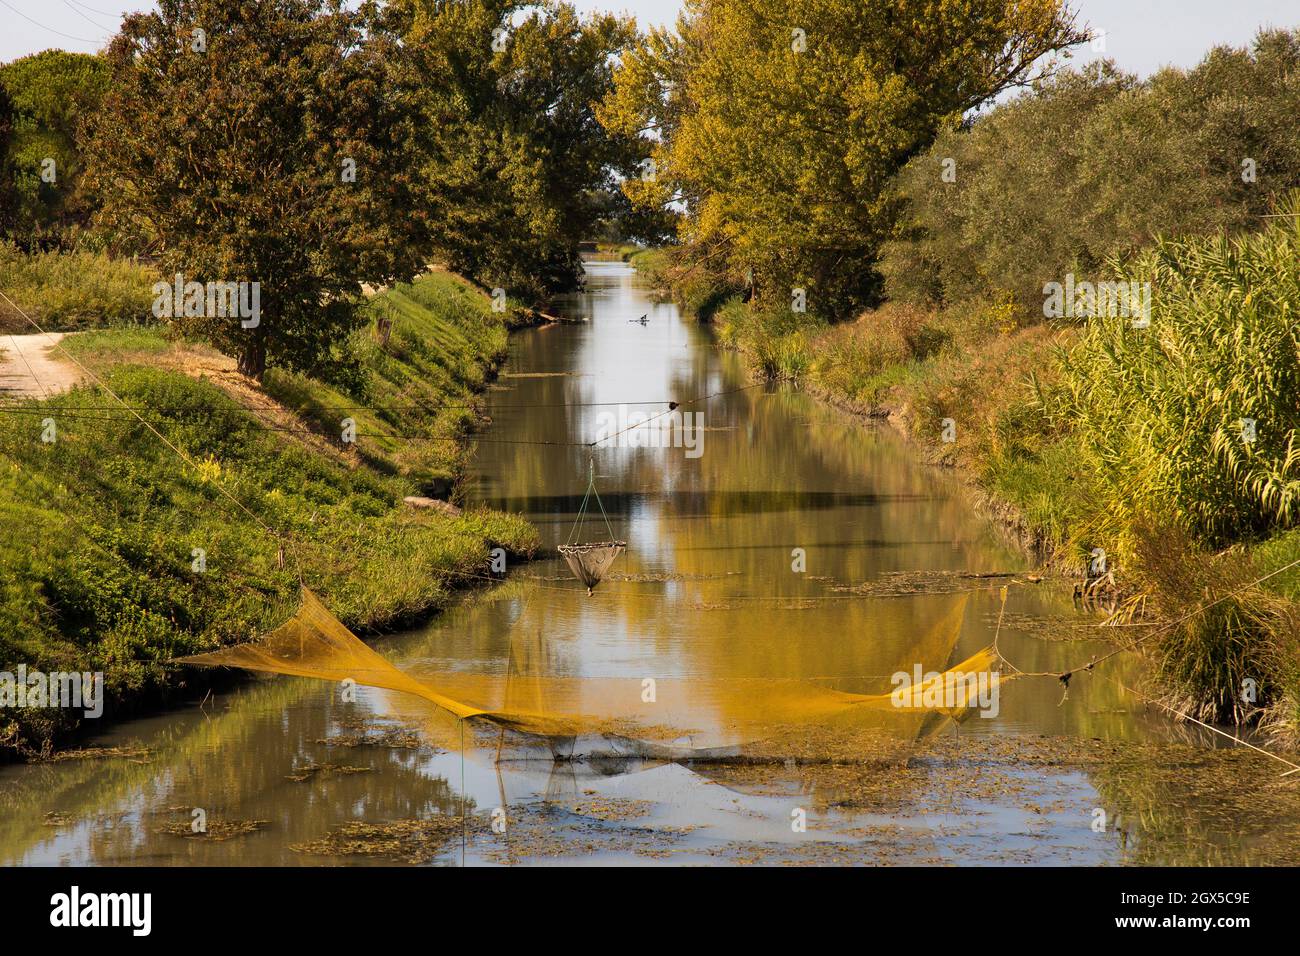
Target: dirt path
29,368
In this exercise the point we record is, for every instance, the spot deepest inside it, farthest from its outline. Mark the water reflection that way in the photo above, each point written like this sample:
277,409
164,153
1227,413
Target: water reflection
707,598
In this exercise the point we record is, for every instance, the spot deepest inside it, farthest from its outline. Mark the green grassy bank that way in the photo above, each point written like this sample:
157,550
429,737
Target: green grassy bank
116,556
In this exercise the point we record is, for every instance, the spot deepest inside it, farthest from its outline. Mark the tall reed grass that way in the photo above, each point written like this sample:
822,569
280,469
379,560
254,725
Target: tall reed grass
1196,419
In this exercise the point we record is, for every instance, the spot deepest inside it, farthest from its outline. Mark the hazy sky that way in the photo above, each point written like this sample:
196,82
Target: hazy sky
1141,35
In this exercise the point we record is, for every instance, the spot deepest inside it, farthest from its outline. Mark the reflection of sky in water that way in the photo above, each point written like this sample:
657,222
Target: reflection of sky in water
712,594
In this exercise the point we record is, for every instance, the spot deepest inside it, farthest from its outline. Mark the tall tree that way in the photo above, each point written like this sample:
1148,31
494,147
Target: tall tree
50,94
518,169
778,123
268,142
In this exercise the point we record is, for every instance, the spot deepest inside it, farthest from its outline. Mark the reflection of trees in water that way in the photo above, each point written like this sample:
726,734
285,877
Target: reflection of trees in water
1181,805
235,765
787,472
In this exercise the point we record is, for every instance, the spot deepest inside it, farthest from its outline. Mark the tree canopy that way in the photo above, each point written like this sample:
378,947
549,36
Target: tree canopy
777,124
1095,164
269,143
516,168
49,95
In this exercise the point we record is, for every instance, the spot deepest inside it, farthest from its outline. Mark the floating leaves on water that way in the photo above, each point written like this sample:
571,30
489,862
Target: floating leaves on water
655,576
390,739
897,583
363,731
217,831
612,808
135,754
307,771
1048,628
412,841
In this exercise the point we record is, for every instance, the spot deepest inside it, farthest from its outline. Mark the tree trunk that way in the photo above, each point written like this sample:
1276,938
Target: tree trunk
252,362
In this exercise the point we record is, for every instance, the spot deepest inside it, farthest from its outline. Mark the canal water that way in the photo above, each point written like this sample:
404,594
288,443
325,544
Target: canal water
777,543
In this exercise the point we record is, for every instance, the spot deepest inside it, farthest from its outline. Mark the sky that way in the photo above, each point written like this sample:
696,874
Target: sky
1141,35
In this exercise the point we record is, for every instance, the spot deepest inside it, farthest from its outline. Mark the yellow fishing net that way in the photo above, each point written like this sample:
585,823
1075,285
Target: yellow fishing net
528,700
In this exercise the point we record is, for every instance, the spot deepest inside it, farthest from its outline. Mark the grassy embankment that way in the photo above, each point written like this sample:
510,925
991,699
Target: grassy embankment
102,527
1096,434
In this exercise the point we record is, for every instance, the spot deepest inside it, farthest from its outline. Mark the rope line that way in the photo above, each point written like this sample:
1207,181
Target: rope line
417,407
281,537
607,591
67,36
294,429
1222,733
673,406
1161,628
97,26
581,517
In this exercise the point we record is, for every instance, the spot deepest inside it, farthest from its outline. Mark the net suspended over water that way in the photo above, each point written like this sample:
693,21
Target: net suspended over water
314,643
590,562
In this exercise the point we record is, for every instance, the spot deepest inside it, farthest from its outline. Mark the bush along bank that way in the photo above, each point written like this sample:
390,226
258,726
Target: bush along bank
1170,441
119,556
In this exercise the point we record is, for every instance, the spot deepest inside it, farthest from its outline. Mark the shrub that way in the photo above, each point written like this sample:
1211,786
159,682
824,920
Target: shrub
69,291
1239,632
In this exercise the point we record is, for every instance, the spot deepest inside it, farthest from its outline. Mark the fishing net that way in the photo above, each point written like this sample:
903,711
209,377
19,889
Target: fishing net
314,643
610,714
590,562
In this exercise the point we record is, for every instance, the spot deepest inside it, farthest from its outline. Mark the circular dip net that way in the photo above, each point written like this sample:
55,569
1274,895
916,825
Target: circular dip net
591,562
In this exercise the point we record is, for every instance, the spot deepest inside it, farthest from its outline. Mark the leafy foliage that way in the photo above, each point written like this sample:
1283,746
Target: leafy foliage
779,123
226,153
96,563
443,335
1243,632
48,95
68,291
8,195
1162,410
516,171
1095,164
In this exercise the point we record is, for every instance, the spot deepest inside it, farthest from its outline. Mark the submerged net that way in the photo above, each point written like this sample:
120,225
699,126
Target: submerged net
590,562
529,701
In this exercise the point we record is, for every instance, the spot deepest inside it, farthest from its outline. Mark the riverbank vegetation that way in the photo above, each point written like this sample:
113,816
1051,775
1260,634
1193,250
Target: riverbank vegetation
918,285
73,290
118,562
871,199
383,190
